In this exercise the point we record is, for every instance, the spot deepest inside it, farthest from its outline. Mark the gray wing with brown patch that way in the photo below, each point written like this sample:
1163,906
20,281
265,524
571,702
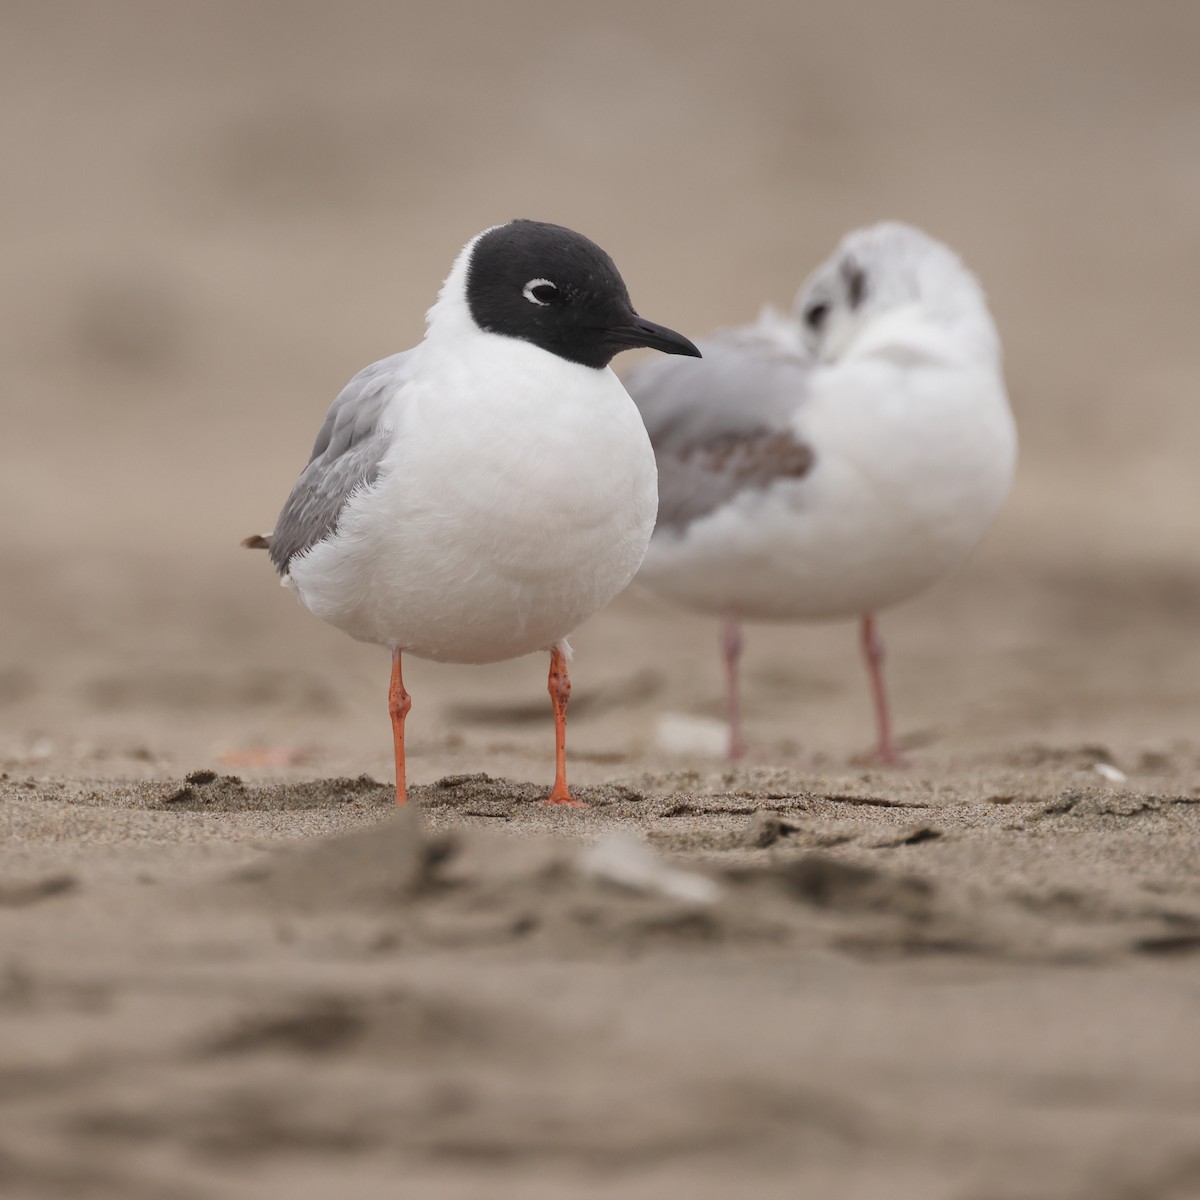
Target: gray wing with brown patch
723,424
346,456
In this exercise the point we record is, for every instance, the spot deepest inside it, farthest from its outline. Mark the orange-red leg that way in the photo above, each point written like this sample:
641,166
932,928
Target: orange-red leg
731,652
872,645
399,702
559,686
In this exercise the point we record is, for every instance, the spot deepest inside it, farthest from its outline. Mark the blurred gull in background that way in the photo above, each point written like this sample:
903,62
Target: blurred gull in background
836,460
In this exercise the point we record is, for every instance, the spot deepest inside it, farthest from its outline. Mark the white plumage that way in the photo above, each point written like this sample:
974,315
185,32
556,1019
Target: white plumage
888,373
517,496
477,497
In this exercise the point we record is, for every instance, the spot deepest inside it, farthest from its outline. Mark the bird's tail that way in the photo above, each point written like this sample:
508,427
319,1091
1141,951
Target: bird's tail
257,541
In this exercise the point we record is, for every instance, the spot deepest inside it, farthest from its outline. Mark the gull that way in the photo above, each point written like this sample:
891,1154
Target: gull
835,460
477,497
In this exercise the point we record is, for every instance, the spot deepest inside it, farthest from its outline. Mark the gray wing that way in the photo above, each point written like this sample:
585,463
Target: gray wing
345,457
723,423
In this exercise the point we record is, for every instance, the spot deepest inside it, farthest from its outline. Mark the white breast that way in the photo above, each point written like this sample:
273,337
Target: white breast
517,499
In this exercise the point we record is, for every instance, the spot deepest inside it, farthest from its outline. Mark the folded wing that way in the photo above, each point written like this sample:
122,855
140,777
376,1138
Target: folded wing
346,456
725,423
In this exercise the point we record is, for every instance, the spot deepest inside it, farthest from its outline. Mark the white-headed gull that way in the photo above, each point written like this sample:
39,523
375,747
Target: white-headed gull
836,460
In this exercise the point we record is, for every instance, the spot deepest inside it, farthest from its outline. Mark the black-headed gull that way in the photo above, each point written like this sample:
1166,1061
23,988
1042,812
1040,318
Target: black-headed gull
836,460
477,497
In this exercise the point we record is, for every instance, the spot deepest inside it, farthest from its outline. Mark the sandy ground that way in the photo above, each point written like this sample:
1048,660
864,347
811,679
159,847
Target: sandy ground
229,969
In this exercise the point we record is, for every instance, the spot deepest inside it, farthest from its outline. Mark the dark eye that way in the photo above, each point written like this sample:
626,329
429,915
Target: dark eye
856,284
815,314
539,291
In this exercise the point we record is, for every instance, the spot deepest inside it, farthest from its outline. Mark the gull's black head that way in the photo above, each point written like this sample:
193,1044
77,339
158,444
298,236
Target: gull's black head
553,287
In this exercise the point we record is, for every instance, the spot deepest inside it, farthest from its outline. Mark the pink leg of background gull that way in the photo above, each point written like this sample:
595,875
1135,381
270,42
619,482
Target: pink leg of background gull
731,652
872,645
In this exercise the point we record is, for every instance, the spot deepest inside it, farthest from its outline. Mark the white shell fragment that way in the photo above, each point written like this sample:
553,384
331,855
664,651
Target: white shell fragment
622,859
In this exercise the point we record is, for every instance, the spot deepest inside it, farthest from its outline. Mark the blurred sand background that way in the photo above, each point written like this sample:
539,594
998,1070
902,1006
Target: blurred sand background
212,216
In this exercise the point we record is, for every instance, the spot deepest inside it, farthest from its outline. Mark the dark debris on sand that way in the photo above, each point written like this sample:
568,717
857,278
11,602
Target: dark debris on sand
208,791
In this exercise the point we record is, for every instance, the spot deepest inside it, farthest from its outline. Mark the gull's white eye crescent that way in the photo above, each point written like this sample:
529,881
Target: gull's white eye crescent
540,291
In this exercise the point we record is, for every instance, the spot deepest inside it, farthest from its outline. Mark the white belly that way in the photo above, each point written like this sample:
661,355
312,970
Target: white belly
903,488
495,529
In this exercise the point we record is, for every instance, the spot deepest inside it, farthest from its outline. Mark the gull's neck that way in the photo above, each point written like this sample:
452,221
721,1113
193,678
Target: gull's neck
449,320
